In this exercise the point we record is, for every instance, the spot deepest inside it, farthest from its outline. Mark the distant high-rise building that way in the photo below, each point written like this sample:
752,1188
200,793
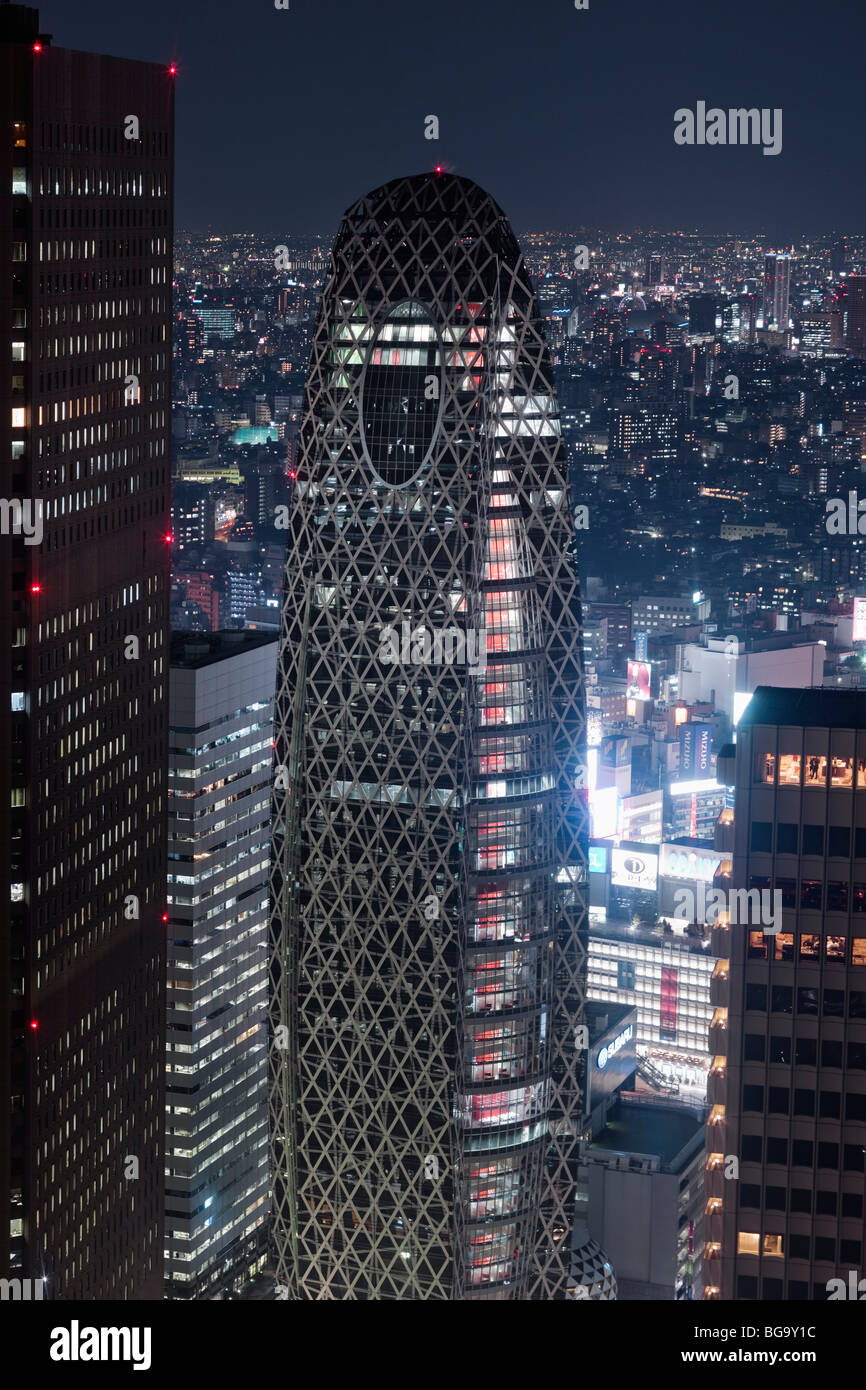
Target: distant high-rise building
241,592
430,846
843,565
748,319
602,335
644,432
703,311
788,1089
189,337
217,321
654,269
201,589
815,329
192,516
216,1147
265,488
854,304
777,283
667,332
85,316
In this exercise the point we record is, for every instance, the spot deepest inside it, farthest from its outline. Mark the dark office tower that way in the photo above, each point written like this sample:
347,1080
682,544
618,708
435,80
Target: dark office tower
788,1086
748,319
85,246
855,315
777,281
703,309
601,331
653,270
429,947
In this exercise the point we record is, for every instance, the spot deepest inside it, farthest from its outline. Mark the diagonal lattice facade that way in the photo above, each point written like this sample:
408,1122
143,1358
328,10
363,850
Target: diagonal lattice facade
429,867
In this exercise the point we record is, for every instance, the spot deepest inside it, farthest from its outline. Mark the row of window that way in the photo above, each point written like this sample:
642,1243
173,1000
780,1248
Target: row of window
801,1199
777,1101
811,770
805,1052
802,1153
838,839
782,945
788,840
782,1000
98,139
796,1247
798,1289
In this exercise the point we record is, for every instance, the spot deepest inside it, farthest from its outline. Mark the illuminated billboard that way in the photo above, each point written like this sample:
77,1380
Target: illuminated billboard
594,727
598,859
634,868
859,633
695,750
615,752
682,861
604,812
639,680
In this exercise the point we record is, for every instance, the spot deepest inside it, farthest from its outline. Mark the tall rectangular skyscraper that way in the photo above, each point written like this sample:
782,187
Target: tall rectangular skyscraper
430,839
787,1127
86,247
777,284
854,302
219,796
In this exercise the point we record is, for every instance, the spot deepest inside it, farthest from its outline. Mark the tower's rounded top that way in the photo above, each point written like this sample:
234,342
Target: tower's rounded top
433,196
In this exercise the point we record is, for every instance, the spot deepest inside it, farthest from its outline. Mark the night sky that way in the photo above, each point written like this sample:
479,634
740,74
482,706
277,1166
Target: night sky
565,116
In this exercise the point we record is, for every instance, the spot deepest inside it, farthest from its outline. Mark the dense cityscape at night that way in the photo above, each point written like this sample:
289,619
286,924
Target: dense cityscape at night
434,654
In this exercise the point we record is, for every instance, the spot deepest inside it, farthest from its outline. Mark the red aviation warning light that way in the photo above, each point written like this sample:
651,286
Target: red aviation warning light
37,48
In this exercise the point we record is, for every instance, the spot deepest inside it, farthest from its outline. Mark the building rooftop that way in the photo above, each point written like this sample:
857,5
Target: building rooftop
192,650
818,708
662,1131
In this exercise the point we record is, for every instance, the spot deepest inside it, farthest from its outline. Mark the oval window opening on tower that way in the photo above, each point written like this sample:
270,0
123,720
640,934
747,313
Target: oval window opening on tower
401,393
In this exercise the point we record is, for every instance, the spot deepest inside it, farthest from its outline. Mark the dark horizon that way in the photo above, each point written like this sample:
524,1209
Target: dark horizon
565,117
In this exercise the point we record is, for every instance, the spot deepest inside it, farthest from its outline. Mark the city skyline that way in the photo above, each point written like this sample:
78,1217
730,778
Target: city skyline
433,858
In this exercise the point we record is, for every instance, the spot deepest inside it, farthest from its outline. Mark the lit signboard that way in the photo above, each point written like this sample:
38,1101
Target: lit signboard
592,768
859,632
639,680
615,752
612,1048
681,861
695,742
631,868
604,812
594,727
598,859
